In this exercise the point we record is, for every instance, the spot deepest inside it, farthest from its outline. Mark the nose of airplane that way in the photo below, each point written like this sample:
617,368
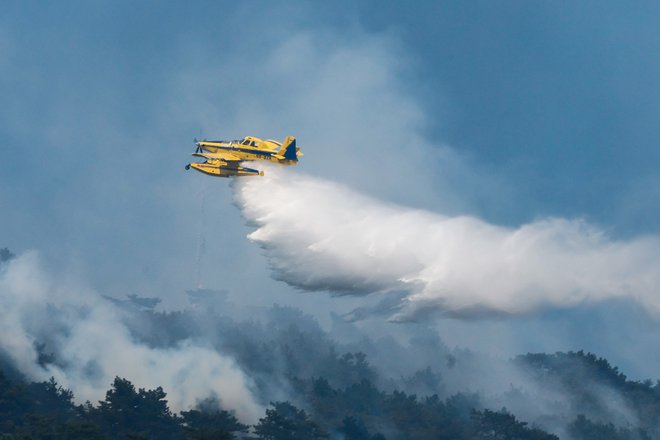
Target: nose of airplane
198,144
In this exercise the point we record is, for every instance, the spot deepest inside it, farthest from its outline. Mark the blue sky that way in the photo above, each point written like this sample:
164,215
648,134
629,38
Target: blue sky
511,111
561,97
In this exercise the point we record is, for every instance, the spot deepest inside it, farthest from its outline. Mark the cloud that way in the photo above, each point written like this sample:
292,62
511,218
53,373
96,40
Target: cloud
91,345
319,235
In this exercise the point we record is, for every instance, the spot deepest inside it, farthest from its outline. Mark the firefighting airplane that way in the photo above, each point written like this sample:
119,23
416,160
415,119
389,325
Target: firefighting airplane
223,158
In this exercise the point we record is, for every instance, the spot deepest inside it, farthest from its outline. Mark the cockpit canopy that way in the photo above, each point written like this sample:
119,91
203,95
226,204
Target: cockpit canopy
249,142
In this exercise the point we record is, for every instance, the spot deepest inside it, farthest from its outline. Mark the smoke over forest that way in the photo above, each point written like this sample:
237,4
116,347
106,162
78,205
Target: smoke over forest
350,382
52,329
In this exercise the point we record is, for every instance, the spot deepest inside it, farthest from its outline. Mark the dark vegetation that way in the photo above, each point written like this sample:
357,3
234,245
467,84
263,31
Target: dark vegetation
362,389
354,408
357,412
47,411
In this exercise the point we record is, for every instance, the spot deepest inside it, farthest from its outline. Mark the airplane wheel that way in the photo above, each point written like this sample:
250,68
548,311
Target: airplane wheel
187,167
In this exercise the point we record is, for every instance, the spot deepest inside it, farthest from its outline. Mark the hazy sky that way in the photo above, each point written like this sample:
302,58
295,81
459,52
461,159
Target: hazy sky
509,111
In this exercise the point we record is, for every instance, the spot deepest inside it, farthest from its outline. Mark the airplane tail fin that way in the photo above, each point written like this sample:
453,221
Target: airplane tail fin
289,149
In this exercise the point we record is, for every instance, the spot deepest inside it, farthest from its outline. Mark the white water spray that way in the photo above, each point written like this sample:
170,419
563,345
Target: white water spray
319,235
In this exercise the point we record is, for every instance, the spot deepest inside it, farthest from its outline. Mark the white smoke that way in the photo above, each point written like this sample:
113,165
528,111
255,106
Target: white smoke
320,235
92,346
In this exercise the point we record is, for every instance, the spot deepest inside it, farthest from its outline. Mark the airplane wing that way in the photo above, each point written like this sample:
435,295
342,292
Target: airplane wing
221,156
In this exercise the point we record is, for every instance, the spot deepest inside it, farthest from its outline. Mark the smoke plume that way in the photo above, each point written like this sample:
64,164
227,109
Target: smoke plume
53,329
322,236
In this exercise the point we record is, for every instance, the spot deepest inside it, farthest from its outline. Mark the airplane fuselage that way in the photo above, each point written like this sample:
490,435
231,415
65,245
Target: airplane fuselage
223,158
248,149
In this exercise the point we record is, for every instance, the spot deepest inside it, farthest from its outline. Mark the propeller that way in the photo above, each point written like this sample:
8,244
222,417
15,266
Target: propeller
198,149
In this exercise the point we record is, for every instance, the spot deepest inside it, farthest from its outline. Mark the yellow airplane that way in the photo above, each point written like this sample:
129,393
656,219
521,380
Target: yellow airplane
223,158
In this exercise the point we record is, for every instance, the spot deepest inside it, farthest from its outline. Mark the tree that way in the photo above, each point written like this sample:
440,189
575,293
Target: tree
355,429
51,400
14,404
286,422
143,413
584,429
501,425
216,425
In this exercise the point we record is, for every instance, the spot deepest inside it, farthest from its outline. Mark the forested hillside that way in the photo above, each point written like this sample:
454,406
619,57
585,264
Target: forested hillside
343,382
47,411
359,411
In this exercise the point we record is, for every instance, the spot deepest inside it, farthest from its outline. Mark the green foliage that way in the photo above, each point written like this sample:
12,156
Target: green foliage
14,404
42,410
145,413
361,409
503,425
343,396
423,381
584,429
51,400
580,376
219,425
80,430
355,429
286,422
